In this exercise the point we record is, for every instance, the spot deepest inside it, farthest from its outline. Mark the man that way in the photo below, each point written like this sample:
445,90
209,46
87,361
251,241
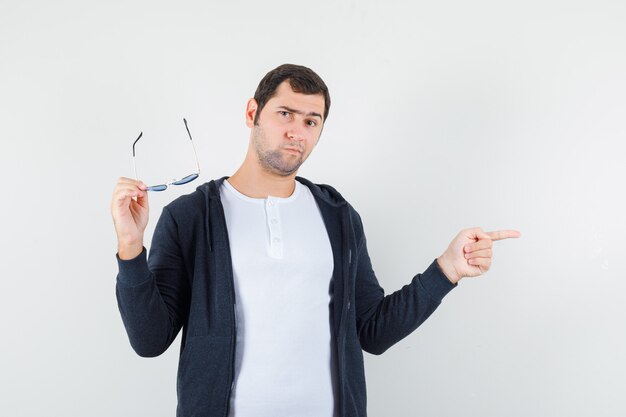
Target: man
269,276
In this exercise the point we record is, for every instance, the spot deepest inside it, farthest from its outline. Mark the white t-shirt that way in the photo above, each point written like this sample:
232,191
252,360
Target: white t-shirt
282,266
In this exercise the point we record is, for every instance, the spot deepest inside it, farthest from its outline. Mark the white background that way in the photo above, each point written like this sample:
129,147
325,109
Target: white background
445,115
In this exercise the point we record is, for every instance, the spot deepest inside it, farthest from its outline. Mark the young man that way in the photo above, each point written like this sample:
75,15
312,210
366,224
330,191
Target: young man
269,276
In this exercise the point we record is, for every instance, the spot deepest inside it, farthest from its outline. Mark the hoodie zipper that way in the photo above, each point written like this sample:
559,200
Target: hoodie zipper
233,351
345,273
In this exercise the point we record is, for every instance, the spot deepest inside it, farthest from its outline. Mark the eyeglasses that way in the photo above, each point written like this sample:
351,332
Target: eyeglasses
184,180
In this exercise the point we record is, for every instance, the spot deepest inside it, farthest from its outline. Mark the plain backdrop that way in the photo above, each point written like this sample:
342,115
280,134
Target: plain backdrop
445,115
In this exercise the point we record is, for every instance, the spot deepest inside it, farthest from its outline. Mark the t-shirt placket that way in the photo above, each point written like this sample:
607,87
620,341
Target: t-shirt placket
274,227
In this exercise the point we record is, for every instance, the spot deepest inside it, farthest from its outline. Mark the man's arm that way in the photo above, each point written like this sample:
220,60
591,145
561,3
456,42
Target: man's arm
383,320
152,295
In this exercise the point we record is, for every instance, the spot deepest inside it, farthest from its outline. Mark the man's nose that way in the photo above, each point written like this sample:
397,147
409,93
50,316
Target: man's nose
295,132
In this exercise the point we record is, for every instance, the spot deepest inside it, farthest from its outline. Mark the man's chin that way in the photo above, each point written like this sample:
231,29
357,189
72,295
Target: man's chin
282,171
288,169
280,166
286,173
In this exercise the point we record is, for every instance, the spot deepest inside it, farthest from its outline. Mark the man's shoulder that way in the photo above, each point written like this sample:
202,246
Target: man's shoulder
190,203
328,193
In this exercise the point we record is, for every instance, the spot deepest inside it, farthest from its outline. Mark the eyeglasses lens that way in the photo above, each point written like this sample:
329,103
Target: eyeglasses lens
185,180
162,187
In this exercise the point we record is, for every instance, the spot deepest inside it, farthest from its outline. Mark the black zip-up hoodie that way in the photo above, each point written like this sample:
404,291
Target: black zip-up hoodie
187,282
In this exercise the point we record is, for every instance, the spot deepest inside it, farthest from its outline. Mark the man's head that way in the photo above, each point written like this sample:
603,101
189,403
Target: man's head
286,116
302,80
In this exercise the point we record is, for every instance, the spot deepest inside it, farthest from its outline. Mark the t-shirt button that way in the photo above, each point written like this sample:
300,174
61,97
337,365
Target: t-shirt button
276,240
274,221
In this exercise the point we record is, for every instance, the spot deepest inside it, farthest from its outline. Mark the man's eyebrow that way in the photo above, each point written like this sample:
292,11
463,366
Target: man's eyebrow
312,113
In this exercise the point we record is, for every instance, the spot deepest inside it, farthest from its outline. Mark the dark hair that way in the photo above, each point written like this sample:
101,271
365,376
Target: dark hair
301,79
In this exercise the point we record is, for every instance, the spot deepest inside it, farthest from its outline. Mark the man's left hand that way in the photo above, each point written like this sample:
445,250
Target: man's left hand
469,254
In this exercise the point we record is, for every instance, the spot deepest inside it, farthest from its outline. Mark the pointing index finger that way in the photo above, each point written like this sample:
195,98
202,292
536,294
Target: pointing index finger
503,234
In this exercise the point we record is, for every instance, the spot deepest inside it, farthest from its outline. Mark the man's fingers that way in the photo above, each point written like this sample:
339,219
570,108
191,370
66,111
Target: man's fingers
128,190
485,253
503,234
125,185
479,245
485,239
124,192
142,199
124,180
483,263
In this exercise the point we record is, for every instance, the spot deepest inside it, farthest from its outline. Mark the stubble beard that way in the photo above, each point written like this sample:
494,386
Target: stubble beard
273,161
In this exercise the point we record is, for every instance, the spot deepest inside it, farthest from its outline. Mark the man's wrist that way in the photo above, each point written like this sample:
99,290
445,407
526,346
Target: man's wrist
128,252
448,270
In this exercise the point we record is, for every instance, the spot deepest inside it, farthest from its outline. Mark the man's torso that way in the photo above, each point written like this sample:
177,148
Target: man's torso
282,265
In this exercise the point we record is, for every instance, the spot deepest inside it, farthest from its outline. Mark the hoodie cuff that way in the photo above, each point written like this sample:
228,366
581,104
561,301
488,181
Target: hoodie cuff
436,282
133,272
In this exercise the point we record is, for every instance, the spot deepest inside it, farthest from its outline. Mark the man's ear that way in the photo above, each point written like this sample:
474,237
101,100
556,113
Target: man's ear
251,109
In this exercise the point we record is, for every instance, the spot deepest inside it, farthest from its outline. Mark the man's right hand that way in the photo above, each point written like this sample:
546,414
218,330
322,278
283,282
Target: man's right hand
129,208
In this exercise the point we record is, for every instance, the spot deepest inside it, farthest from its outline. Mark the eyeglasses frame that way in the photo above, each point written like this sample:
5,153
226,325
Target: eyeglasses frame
180,181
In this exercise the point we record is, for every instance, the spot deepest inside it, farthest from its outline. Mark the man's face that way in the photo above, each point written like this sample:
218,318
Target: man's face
287,130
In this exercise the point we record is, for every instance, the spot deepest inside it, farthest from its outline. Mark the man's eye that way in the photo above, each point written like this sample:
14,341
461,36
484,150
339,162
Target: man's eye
284,113
312,123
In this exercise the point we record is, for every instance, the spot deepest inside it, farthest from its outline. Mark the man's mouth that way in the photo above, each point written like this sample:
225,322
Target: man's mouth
294,150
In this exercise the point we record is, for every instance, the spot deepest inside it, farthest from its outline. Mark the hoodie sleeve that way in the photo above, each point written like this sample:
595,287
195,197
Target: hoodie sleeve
383,320
153,295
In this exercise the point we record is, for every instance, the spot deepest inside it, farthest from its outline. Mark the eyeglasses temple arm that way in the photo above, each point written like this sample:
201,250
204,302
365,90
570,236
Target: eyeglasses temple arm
192,145
135,166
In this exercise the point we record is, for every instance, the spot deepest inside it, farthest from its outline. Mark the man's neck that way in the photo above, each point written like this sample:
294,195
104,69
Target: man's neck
256,183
